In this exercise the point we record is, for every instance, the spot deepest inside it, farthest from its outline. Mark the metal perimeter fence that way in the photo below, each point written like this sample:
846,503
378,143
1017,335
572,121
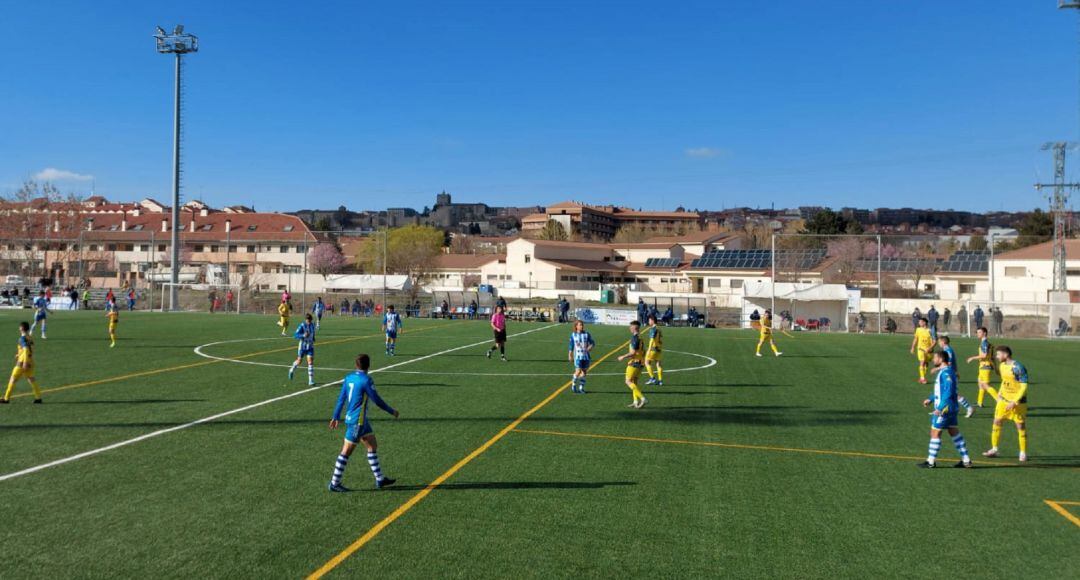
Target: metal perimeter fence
853,283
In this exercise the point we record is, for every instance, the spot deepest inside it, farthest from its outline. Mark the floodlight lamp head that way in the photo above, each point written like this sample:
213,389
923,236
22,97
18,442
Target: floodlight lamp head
178,30
160,31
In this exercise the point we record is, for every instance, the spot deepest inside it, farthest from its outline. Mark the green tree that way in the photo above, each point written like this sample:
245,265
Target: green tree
553,231
1036,227
977,243
830,223
322,224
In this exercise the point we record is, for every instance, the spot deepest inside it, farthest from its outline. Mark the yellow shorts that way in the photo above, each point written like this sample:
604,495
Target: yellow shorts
1017,415
112,328
984,376
922,355
654,356
283,321
633,374
19,372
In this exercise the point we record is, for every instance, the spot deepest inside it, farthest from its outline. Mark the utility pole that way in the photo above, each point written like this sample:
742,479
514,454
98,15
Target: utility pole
178,43
1059,208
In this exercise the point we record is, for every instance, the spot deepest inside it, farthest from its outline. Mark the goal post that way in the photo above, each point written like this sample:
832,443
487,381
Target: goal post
201,297
1022,319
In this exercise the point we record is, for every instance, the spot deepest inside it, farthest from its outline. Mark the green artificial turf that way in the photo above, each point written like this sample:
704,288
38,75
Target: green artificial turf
730,471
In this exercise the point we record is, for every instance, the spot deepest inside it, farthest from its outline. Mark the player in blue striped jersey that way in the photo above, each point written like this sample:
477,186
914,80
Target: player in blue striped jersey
41,313
945,411
305,333
580,354
943,342
356,390
317,309
391,326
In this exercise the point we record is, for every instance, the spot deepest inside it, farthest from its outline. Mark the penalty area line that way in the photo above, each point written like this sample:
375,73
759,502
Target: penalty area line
215,417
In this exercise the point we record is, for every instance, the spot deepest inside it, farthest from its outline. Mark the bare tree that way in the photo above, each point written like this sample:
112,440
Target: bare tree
35,220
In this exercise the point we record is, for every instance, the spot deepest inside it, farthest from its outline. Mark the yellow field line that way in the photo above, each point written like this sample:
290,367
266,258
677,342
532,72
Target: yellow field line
1056,506
198,364
716,444
405,507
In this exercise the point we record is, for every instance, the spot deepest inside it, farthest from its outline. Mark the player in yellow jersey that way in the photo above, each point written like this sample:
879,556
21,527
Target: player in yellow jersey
766,335
922,345
24,365
635,359
1011,401
283,310
986,362
655,354
113,314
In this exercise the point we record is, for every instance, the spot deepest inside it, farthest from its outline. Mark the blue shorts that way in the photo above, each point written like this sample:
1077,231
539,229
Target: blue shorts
944,421
301,351
354,432
582,363
391,334
40,316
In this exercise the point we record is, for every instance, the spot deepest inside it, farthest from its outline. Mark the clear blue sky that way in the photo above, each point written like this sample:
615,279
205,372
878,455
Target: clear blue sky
644,103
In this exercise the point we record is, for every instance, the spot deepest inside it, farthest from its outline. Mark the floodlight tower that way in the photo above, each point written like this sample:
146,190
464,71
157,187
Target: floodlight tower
178,43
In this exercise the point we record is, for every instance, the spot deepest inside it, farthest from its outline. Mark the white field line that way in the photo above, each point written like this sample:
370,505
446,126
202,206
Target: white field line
196,422
710,361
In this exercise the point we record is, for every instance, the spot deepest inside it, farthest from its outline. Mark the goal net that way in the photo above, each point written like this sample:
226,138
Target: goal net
1021,319
200,297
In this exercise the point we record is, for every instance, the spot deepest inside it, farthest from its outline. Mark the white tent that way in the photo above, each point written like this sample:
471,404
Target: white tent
366,283
804,301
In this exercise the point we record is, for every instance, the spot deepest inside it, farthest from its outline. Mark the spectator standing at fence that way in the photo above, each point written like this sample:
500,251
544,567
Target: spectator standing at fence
211,297
890,326
472,310
962,319
501,303
999,320
642,309
915,316
978,315
932,318
565,311
946,316
86,299
131,299
73,296
860,322
445,309
229,299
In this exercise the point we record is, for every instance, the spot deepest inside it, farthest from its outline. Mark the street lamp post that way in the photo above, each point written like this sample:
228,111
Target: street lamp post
177,43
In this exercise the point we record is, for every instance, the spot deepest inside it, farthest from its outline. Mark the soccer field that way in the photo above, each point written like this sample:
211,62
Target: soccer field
186,452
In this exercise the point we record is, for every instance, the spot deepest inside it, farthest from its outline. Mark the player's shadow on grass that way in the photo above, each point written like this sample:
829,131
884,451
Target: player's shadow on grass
659,390
817,356
513,485
130,402
763,415
1034,464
